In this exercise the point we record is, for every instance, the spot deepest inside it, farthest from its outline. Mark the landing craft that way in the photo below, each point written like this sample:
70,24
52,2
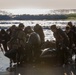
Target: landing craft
48,54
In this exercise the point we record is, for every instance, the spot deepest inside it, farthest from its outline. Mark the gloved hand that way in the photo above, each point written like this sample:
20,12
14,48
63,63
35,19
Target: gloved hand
73,45
61,48
67,48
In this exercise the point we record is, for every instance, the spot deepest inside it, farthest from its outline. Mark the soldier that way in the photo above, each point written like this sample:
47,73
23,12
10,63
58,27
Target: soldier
73,29
4,39
17,43
27,31
11,30
21,41
34,45
69,32
62,42
38,29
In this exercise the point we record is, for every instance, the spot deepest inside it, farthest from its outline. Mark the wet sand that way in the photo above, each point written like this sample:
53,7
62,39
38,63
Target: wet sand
41,68
38,69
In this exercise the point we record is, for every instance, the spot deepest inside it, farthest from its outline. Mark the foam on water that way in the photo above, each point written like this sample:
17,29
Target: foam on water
4,62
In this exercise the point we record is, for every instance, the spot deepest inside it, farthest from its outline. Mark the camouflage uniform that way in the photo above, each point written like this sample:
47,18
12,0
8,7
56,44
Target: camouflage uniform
62,44
34,46
17,42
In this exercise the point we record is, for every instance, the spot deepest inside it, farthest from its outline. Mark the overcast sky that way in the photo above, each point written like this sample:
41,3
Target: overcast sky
46,4
35,6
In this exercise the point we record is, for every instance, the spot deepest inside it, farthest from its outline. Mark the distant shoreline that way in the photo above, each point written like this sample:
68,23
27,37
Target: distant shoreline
39,17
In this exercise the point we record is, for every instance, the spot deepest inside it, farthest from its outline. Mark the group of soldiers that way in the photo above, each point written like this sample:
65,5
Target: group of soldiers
65,42
24,43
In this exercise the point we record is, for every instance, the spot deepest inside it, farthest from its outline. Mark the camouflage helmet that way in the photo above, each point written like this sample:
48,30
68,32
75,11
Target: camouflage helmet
70,24
21,25
53,27
68,27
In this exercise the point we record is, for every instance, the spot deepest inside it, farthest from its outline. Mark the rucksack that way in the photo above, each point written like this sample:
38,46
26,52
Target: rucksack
34,39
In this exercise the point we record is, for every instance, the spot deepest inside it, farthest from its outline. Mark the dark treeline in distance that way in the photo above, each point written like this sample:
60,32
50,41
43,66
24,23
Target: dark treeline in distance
38,17
33,17
5,17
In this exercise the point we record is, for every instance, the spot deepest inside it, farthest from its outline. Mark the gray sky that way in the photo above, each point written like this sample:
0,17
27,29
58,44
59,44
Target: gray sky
45,4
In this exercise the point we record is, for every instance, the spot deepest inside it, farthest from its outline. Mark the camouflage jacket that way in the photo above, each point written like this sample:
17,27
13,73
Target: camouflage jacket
17,40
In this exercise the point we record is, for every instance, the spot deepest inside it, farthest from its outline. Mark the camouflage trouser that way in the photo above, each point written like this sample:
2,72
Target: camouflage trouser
21,54
67,54
64,56
60,57
11,54
33,53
